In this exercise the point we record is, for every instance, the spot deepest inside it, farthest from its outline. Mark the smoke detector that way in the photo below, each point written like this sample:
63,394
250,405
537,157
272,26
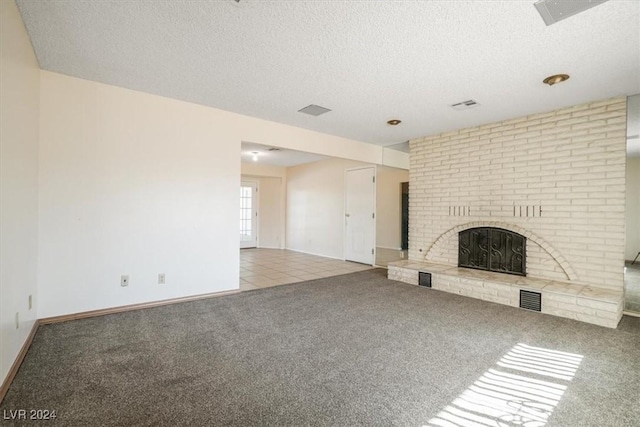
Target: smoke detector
465,105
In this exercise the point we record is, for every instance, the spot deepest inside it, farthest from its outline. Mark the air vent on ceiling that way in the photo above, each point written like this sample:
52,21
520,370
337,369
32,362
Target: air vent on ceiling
274,149
553,11
314,110
465,105
531,300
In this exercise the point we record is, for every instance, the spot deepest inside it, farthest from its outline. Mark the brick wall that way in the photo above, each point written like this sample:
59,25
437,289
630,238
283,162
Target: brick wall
557,177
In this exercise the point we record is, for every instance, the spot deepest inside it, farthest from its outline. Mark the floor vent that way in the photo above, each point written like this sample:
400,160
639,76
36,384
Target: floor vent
531,300
424,279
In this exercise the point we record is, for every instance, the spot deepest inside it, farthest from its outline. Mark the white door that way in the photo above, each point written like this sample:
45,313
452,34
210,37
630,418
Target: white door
360,208
248,214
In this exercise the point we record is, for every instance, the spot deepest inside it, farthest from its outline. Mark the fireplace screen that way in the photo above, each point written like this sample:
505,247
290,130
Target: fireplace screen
492,249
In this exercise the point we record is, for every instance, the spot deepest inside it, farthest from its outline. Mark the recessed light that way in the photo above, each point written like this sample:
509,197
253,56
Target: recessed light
255,156
556,78
394,122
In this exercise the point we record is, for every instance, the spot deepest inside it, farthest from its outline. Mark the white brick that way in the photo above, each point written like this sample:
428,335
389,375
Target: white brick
609,323
570,161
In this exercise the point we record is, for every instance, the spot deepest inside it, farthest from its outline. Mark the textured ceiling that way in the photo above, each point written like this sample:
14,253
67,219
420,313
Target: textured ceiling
367,61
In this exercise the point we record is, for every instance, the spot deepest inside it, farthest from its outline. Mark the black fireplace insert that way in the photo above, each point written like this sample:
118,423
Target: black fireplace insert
492,249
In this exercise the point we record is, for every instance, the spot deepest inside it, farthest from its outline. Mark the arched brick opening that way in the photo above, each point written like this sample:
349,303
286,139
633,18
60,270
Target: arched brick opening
553,253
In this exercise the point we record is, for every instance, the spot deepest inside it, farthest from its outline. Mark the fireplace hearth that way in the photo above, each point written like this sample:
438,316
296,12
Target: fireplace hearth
492,249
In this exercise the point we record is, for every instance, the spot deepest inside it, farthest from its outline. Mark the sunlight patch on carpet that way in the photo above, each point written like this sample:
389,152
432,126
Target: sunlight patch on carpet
523,391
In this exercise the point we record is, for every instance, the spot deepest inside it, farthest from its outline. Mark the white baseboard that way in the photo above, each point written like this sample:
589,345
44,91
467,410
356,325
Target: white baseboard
312,253
631,313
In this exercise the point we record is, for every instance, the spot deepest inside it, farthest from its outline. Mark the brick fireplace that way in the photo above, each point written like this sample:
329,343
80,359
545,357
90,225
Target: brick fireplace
492,249
557,179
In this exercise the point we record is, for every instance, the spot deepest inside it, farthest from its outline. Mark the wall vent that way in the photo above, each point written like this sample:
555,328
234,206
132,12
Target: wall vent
459,211
465,105
424,279
531,300
532,211
314,110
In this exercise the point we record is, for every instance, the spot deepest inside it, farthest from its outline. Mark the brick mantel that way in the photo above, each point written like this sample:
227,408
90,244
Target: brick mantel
557,178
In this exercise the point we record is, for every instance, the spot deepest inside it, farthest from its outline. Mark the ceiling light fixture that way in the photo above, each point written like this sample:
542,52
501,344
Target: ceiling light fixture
556,78
394,122
255,156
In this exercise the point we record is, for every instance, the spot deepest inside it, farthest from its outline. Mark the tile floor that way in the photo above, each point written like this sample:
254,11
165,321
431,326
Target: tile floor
262,268
632,287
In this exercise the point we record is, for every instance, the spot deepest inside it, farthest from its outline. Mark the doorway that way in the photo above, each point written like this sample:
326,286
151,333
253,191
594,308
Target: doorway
360,208
248,214
390,215
632,207
405,217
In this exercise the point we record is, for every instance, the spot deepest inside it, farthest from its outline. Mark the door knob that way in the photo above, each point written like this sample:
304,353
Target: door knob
347,215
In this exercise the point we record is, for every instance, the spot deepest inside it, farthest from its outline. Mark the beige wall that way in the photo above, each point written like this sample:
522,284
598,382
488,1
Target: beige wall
132,184
137,184
259,169
633,208
567,166
272,183
271,214
19,98
324,179
389,206
315,207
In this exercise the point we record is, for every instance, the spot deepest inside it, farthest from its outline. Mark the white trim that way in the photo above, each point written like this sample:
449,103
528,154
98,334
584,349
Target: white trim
375,211
386,247
630,313
315,254
255,203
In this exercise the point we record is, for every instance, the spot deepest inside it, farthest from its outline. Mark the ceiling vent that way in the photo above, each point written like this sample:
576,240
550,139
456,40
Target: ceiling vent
465,105
273,149
314,110
553,11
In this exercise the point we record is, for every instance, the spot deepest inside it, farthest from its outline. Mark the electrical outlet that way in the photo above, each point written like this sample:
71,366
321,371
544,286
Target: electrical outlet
124,280
17,320
401,254
161,279
30,301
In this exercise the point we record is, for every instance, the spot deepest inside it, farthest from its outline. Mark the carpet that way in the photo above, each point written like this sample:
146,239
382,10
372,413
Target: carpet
356,349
